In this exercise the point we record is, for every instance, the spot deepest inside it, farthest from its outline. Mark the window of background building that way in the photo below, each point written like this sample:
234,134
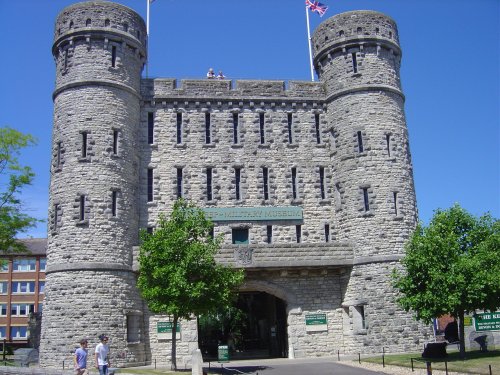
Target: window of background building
4,266
41,287
3,287
3,331
3,309
18,332
43,264
21,309
23,287
24,265
240,236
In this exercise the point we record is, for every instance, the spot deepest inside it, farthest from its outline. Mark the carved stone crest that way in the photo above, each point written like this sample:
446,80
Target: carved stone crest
243,255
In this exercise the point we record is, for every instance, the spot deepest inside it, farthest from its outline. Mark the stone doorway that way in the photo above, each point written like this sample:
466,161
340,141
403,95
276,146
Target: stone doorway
254,327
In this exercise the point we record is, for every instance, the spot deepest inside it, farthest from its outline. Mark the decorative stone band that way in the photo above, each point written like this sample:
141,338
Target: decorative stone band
339,45
377,259
99,82
87,266
99,33
353,89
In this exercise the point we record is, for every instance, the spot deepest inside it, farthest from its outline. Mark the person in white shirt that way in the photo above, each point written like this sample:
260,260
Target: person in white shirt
101,355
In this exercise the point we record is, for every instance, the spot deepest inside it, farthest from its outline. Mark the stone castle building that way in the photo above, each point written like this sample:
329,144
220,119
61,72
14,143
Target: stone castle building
311,184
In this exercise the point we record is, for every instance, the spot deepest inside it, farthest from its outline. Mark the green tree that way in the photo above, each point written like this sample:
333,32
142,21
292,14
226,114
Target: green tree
452,266
13,177
178,274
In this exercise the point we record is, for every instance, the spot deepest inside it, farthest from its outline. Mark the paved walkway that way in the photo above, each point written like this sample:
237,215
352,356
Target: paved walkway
310,366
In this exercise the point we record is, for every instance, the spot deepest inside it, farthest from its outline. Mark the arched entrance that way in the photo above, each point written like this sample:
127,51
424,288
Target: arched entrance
254,327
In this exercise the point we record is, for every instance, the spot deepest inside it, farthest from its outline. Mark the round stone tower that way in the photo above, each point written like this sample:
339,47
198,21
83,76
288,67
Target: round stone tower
99,49
357,57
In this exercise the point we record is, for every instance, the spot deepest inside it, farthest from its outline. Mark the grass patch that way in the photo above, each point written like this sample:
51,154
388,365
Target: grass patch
475,362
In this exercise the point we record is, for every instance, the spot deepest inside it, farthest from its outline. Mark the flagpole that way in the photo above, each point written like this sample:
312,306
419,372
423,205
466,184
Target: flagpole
309,43
147,37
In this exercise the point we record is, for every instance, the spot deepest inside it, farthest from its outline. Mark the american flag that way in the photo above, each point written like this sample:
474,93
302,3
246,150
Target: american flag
316,6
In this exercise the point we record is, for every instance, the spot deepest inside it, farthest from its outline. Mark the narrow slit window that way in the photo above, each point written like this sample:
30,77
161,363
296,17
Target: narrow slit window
395,198
294,183
327,232
208,129
322,182
179,183
237,182
84,144
269,232
317,128
290,129
298,233
209,184
179,128
58,157
360,141
115,142
366,201
211,232
56,216
235,128
262,128
66,58
151,127
388,144
113,56
82,207
150,185
362,316
265,180
114,201
354,62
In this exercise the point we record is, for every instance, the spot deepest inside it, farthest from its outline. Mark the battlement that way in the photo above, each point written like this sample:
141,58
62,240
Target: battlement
99,15
208,88
361,26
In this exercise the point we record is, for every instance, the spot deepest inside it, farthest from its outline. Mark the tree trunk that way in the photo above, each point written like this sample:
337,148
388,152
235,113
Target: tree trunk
461,333
173,365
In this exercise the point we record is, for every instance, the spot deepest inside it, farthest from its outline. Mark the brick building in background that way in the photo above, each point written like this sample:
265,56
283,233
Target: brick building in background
22,285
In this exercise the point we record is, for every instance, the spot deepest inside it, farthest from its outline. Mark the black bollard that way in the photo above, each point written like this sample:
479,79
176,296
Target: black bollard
446,367
338,355
412,365
359,358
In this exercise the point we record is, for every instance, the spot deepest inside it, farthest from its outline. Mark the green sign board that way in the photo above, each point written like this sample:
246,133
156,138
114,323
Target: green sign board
166,327
315,319
487,321
222,214
223,353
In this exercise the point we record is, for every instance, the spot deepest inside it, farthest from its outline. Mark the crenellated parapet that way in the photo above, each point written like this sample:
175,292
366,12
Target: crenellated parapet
161,89
357,51
100,42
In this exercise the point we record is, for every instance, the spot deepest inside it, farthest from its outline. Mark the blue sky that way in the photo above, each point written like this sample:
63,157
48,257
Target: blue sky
450,75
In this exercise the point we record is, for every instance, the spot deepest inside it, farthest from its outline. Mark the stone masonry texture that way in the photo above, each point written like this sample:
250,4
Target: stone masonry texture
125,147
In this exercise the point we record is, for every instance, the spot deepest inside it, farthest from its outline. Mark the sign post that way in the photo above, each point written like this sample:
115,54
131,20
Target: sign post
223,353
